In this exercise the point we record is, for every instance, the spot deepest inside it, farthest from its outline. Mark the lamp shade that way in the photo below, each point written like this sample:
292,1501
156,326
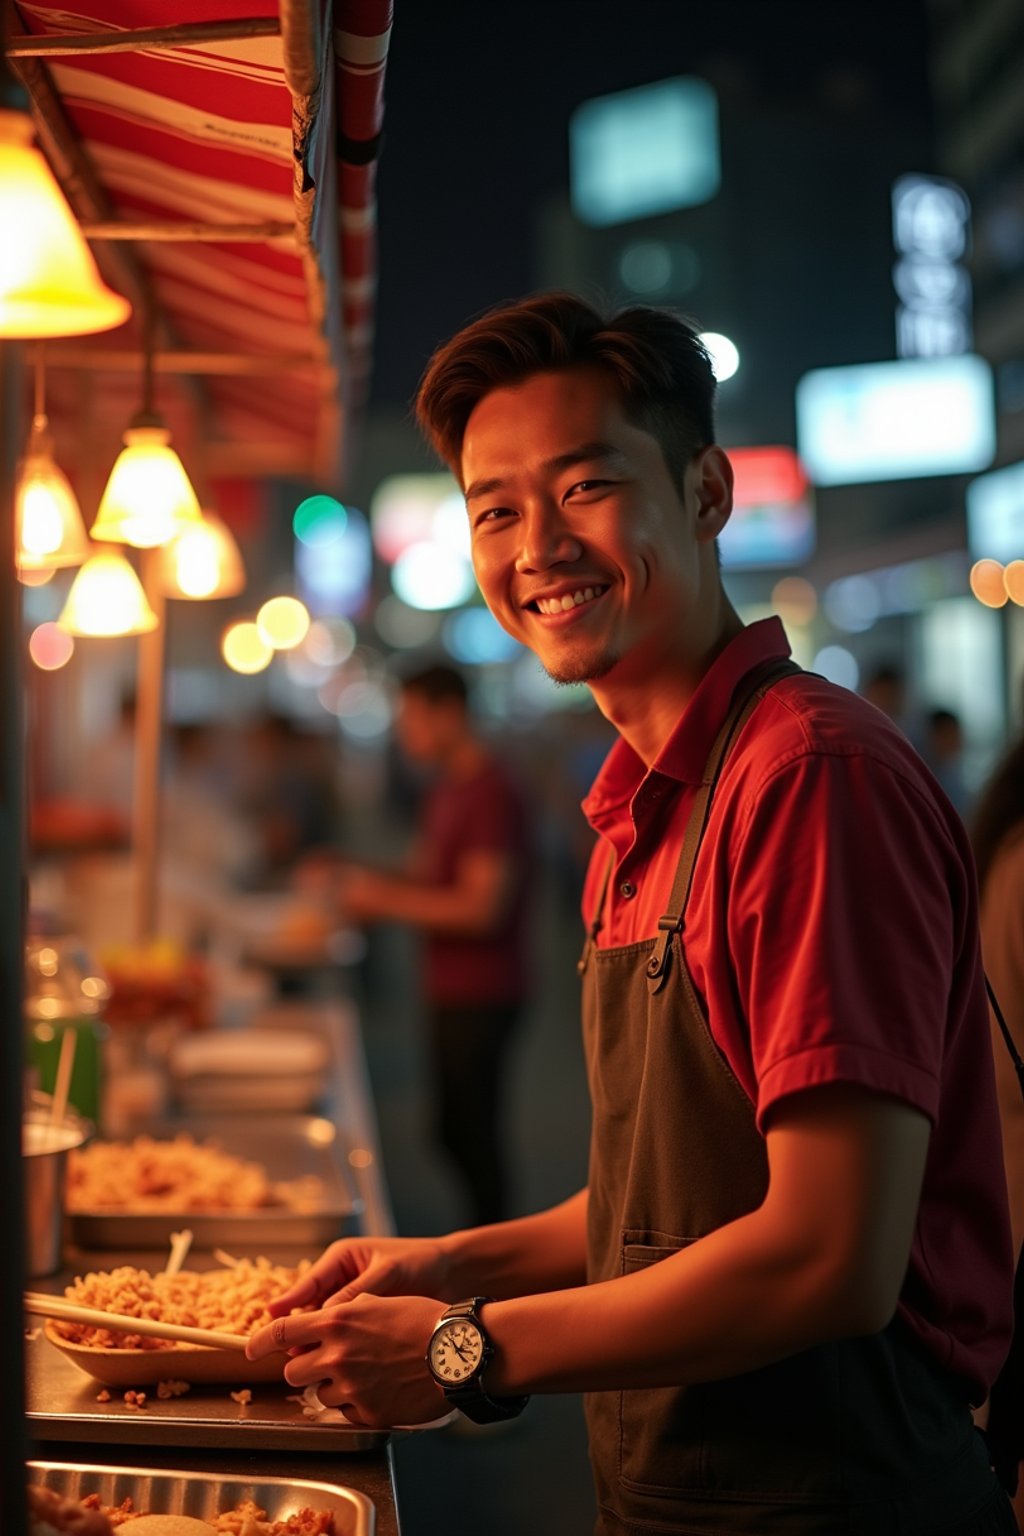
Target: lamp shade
106,598
202,562
49,282
48,524
149,498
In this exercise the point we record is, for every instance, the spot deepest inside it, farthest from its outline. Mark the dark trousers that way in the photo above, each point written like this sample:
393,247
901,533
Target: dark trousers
468,1052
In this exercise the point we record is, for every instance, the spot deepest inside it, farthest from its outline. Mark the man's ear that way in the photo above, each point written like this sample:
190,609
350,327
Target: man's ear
712,481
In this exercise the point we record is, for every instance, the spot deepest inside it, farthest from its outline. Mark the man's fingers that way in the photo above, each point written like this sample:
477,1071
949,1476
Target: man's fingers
315,1285
284,1333
300,1294
377,1280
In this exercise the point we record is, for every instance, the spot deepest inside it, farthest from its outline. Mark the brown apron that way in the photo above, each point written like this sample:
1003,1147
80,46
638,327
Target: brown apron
865,1435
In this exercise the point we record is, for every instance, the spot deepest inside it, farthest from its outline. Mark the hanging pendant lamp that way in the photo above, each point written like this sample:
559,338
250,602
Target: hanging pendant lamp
49,283
107,599
203,562
49,531
149,498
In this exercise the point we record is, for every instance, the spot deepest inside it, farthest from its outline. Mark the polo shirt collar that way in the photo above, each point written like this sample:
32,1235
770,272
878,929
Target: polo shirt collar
684,755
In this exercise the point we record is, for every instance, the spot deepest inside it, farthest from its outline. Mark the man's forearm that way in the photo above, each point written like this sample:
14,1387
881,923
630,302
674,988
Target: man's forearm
432,908
545,1252
732,1302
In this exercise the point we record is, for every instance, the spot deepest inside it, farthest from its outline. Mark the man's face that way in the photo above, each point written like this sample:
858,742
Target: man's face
583,547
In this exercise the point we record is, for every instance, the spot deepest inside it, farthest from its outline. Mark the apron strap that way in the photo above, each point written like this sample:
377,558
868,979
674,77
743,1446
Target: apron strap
598,921
749,694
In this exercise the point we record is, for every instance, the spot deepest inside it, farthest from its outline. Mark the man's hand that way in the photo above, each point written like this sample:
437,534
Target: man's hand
383,1266
366,1357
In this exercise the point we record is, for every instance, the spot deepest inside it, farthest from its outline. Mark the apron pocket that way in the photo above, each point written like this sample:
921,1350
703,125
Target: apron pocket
773,1432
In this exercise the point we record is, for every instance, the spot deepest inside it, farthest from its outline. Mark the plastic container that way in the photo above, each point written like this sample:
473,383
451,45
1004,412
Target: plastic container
65,990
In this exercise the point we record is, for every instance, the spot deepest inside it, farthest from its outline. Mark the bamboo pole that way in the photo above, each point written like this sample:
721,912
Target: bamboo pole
184,35
180,230
13,886
149,702
229,364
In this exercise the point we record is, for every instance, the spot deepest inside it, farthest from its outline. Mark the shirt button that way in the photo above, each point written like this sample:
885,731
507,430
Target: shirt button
627,889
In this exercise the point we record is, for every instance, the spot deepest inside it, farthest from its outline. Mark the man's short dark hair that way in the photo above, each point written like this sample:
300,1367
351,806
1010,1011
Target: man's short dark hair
657,359
437,683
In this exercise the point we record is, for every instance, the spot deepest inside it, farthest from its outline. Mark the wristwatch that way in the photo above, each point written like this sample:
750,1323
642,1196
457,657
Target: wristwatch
458,1354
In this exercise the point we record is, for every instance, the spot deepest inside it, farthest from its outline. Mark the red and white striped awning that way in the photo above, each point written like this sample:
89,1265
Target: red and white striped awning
225,170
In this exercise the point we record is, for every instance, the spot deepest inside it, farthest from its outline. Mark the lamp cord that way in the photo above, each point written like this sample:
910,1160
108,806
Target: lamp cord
40,380
148,326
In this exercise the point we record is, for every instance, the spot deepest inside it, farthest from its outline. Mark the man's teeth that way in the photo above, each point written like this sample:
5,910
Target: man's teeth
573,600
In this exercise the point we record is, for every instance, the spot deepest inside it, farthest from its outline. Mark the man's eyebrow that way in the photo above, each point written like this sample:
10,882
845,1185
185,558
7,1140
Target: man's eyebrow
586,453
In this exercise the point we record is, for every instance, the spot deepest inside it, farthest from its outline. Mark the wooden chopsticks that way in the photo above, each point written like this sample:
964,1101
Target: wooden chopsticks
92,1317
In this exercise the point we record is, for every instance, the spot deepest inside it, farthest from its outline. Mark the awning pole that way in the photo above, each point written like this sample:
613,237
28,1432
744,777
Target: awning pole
13,889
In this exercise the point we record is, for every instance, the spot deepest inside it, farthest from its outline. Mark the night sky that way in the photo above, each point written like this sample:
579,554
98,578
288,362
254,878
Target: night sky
478,100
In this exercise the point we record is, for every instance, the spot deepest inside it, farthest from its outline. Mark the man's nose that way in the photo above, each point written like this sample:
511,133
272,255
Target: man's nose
545,539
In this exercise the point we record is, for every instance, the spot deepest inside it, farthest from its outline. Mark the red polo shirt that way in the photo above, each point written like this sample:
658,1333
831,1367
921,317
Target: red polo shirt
832,936
485,812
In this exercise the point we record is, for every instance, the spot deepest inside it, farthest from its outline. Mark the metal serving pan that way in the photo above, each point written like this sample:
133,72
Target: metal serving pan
203,1495
288,1146
62,1404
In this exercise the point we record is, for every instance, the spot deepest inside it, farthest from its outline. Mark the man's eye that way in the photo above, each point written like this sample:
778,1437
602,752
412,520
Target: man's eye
493,515
586,485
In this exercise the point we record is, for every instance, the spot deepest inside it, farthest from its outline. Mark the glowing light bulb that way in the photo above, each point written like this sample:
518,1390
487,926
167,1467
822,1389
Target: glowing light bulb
149,498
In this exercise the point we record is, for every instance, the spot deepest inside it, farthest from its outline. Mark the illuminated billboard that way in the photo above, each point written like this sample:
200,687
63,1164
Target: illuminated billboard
995,514
772,521
896,421
644,151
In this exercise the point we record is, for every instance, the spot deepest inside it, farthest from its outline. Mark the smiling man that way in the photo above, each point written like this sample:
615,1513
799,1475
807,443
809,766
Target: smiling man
789,1275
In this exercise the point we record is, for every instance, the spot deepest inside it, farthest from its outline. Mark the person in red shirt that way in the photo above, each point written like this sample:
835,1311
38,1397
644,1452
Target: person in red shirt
789,1275
465,888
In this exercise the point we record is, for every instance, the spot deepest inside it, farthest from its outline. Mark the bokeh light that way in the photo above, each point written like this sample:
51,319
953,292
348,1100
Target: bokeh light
1013,582
333,577
319,520
853,603
837,664
724,354
474,637
988,583
50,647
431,576
329,641
794,600
283,622
244,648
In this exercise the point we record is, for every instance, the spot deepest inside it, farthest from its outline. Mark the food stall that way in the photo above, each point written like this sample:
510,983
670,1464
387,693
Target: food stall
223,172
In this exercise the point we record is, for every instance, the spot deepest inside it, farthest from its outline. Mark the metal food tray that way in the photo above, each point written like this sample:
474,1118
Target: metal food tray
203,1495
288,1146
61,1403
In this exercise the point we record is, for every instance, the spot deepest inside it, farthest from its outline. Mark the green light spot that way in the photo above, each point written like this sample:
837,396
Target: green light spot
319,520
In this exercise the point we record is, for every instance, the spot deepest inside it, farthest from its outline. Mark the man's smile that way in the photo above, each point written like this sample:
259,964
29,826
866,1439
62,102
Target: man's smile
565,602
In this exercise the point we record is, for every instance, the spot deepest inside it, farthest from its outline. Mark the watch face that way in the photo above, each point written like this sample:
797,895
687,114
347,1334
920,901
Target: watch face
456,1350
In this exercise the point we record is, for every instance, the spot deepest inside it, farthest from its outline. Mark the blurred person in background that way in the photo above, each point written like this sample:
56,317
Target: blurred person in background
789,1274
466,888
997,832
943,751
286,793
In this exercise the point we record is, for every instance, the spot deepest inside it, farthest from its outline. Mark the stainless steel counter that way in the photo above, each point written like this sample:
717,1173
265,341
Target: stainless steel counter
206,1431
